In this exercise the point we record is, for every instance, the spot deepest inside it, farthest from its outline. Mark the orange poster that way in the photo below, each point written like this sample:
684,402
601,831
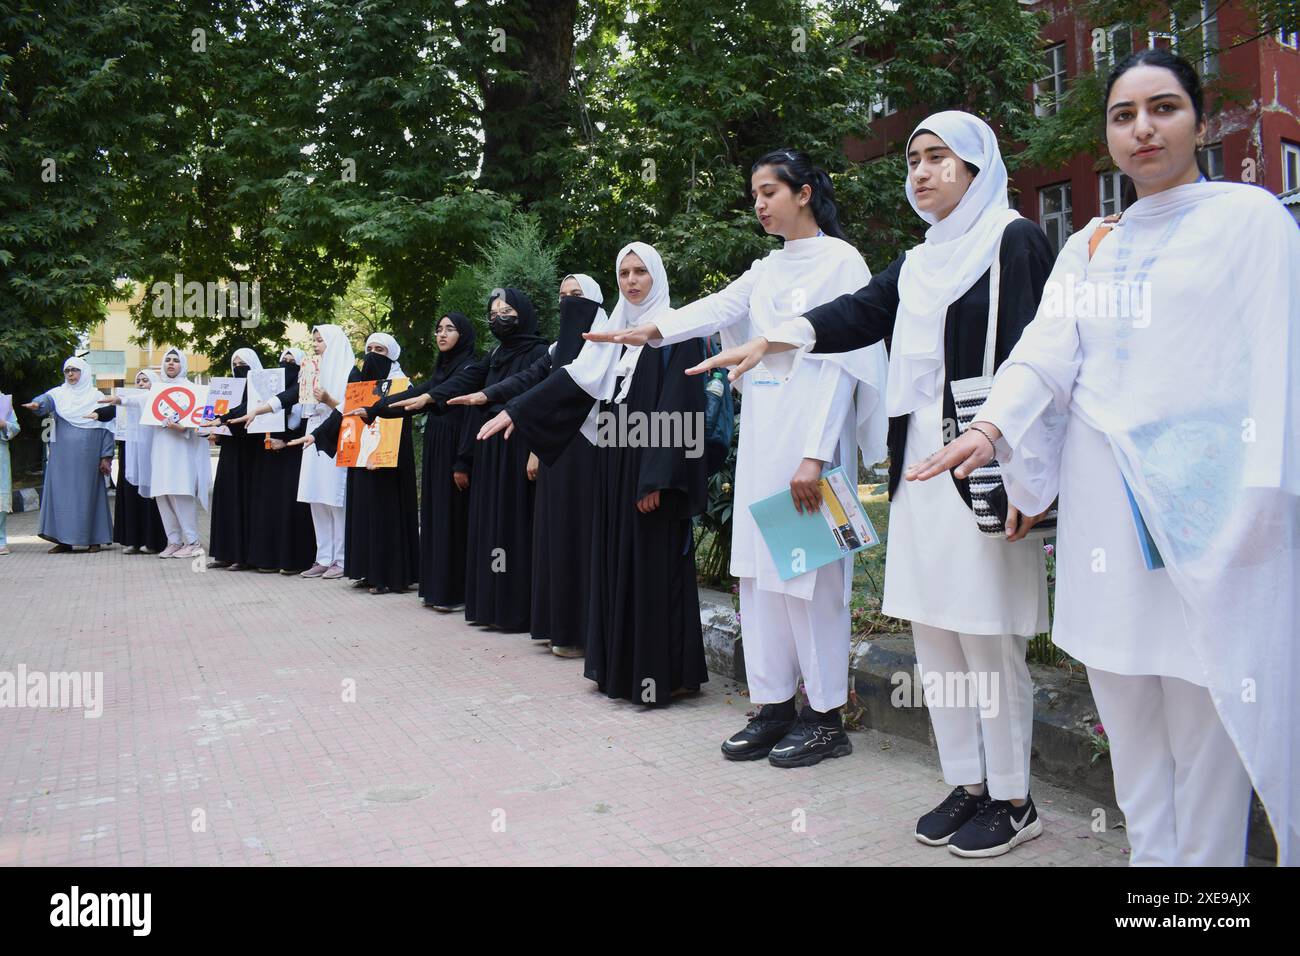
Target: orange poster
373,444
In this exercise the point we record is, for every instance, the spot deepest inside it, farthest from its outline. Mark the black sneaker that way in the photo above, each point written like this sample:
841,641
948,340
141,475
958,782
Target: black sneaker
812,739
937,827
997,828
766,728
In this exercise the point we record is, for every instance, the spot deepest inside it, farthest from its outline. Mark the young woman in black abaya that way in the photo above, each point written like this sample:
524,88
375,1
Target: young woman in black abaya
281,537
644,642
498,566
562,517
382,520
444,482
232,488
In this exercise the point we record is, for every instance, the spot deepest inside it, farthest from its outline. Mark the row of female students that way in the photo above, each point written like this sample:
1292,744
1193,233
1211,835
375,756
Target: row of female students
1170,420
1193,665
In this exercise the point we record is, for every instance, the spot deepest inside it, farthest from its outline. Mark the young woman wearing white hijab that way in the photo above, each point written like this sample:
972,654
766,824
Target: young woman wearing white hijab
180,469
383,519
562,516
321,483
973,600
74,500
644,642
795,423
232,488
1162,377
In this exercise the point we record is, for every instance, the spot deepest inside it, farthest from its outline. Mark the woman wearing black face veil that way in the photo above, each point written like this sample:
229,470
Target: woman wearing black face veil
281,537
382,520
232,489
498,566
444,484
562,517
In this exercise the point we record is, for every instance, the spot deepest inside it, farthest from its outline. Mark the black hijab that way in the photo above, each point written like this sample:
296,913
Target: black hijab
291,370
460,353
576,316
525,335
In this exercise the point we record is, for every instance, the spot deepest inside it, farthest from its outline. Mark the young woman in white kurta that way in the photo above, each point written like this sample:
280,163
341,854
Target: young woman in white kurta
1165,360
796,423
180,471
973,600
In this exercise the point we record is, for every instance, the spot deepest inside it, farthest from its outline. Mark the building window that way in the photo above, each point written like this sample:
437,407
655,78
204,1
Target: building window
1111,45
880,104
1289,38
1055,214
1211,158
1050,87
1290,166
1210,37
1110,186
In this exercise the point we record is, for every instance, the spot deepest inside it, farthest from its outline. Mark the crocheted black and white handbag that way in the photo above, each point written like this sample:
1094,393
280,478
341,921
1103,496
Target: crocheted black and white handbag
988,497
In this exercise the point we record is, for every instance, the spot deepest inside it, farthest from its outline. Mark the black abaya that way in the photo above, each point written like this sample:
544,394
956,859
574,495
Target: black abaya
444,508
136,521
644,639
281,536
232,491
381,519
498,565
562,516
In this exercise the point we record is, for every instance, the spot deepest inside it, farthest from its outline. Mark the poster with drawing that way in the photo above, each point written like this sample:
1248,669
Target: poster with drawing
371,444
223,395
177,402
263,384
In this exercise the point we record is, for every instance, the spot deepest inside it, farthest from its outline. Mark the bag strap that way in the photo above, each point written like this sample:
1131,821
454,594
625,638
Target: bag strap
991,337
1101,232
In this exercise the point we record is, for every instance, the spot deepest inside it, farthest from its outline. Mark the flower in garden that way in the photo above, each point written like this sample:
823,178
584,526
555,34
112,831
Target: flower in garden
726,487
1099,730
1049,549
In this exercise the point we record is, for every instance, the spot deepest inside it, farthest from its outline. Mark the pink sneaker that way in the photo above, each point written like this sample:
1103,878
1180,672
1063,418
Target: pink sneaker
315,571
169,551
335,571
189,551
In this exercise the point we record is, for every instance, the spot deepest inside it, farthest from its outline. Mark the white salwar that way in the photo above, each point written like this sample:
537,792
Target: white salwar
824,407
179,471
1192,398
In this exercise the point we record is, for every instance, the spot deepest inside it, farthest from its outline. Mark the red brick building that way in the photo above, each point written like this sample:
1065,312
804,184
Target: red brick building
1256,142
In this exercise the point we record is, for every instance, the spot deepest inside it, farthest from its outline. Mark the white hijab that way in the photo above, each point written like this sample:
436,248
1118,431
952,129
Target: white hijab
195,445
394,350
599,364
336,361
139,438
296,354
956,252
250,359
74,402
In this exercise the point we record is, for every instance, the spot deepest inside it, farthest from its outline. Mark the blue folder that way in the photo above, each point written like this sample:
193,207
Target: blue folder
800,543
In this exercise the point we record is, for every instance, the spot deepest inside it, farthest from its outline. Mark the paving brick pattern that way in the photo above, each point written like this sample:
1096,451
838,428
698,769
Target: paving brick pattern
227,737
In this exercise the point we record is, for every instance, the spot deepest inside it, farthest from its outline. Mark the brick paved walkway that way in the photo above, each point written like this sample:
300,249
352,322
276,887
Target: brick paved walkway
225,739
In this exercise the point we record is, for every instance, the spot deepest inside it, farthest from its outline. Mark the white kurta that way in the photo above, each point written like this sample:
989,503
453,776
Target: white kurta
1170,359
787,418
178,464
941,570
320,481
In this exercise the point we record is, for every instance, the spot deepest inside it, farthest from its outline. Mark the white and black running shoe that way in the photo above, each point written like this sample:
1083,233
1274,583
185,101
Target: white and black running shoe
937,827
998,828
813,738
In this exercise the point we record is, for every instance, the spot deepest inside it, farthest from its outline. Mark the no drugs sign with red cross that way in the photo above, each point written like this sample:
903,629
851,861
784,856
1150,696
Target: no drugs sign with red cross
180,402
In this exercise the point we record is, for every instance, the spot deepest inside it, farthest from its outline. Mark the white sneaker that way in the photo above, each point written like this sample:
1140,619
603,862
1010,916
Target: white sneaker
189,551
169,551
